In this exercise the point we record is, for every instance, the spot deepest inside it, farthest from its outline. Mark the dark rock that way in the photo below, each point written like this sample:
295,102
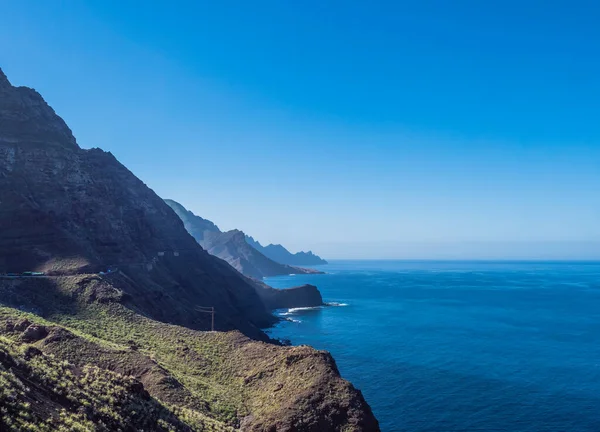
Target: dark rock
34,333
31,352
137,387
58,334
21,325
301,296
133,345
6,360
9,326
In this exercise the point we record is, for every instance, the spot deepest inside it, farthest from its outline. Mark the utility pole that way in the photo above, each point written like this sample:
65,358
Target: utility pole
211,311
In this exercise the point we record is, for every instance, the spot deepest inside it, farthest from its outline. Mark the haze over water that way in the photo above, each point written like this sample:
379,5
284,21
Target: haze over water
462,346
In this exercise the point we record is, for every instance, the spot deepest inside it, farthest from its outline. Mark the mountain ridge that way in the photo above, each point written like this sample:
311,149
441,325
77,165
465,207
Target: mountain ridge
280,254
232,247
66,210
122,293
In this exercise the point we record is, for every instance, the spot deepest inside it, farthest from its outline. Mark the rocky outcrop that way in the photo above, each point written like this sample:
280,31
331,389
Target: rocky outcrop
281,255
232,247
300,296
26,118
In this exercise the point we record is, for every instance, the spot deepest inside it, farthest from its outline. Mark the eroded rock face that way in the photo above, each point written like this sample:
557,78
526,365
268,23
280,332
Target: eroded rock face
26,117
66,210
301,296
34,332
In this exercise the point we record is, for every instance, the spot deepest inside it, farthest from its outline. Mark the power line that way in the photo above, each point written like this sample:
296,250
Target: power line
211,311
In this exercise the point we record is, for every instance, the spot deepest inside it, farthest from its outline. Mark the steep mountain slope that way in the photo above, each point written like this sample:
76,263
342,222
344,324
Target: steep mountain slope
76,213
195,225
281,255
65,210
232,247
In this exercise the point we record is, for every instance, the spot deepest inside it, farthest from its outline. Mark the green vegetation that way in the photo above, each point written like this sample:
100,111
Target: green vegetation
184,379
74,399
83,348
100,351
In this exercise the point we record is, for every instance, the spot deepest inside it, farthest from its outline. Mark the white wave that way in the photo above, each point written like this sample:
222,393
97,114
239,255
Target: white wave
300,309
336,304
295,311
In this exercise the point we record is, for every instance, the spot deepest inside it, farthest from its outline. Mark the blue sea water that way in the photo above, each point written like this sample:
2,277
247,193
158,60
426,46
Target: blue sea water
461,346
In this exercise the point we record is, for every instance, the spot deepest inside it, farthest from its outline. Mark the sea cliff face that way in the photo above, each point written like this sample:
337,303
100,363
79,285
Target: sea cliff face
301,296
124,293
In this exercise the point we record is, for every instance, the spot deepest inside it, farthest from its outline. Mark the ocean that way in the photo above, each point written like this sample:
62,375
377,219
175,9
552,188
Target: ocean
461,346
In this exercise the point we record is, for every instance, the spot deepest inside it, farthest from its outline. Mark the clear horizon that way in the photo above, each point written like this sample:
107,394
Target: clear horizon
464,260
397,131
468,251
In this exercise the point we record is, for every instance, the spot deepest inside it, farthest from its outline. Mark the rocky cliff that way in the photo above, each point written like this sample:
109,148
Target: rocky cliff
232,247
120,298
301,296
95,360
65,210
281,255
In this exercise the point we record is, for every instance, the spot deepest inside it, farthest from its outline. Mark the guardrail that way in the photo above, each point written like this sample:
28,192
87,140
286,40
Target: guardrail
23,274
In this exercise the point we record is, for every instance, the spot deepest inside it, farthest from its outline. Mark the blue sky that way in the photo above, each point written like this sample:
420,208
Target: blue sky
356,129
